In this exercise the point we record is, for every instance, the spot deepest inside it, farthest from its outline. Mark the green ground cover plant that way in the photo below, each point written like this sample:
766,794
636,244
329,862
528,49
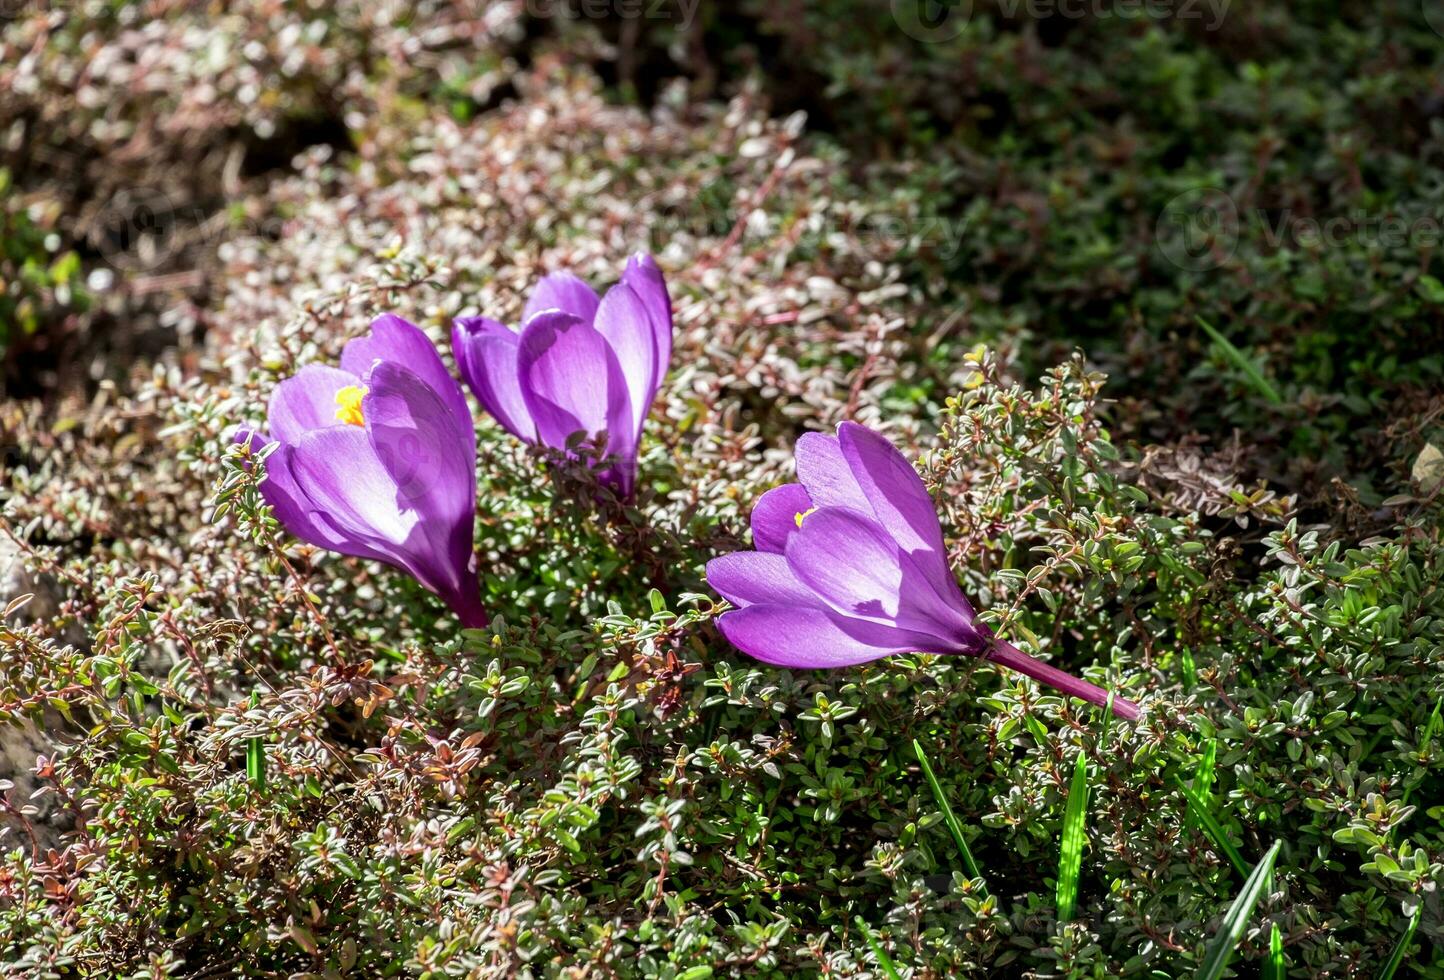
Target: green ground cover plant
231,753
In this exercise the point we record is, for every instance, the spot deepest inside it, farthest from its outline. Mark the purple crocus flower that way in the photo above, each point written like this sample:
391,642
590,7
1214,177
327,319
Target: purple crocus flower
580,364
850,567
377,459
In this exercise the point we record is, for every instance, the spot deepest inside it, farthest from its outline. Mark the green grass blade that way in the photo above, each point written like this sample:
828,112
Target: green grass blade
1070,857
256,762
1203,780
1275,967
883,960
1220,950
1402,949
1260,383
949,817
1429,730
1213,828
256,755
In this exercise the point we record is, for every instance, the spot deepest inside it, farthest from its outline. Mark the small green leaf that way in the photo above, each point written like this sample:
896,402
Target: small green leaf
1220,949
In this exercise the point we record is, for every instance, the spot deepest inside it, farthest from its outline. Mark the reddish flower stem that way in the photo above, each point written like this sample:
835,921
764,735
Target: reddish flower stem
1007,655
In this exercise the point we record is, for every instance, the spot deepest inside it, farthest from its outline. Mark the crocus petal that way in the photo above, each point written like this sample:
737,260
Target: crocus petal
340,474
307,401
403,342
824,473
432,460
775,516
291,506
563,291
852,564
746,578
811,639
430,457
486,353
900,502
646,280
624,321
572,383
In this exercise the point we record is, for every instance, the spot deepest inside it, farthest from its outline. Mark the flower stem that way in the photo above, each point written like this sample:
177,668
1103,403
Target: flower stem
1007,655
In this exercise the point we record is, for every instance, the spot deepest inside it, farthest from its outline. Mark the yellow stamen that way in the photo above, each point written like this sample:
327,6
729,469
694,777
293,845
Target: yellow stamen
802,515
349,400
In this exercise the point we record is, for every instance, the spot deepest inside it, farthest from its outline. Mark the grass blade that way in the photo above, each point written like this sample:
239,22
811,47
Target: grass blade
949,817
256,762
1275,968
256,755
1260,383
1212,827
883,960
1220,950
1429,731
1070,858
1203,780
1402,948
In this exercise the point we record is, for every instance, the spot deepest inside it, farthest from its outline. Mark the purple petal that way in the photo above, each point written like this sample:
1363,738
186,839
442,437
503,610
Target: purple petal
563,291
572,383
486,353
292,508
307,401
750,577
646,280
342,477
811,639
399,341
849,560
624,321
900,501
432,461
774,516
824,473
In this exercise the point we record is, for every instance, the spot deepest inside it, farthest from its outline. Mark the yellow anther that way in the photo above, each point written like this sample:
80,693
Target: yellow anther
802,515
348,400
